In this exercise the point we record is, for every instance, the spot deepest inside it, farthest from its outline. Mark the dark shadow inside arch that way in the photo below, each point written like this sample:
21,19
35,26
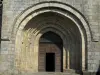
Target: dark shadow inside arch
51,37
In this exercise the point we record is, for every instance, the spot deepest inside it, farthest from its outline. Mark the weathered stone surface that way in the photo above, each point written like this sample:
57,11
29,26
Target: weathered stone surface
12,10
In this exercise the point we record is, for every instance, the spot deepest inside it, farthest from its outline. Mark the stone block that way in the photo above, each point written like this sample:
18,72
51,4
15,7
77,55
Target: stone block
86,73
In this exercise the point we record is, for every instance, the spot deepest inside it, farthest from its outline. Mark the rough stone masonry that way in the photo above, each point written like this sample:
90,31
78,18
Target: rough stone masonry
24,22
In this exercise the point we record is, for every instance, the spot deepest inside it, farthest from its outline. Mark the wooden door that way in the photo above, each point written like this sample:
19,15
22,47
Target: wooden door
56,58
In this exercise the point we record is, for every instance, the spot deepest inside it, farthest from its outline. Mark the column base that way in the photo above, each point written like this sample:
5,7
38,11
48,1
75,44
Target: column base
90,73
73,71
69,70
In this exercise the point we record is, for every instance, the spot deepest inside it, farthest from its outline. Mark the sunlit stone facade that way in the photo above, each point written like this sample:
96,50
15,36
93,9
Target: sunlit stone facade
70,33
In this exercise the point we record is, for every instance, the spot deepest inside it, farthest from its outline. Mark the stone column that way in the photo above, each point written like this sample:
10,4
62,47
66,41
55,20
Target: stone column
68,60
64,59
35,58
83,54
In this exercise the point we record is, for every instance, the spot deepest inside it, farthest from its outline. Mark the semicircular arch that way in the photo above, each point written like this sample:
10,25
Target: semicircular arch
76,18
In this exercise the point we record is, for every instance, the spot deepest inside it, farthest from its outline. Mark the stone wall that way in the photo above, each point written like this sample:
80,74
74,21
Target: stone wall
90,9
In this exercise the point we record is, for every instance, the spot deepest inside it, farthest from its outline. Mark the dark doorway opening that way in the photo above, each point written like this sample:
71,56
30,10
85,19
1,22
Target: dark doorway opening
50,62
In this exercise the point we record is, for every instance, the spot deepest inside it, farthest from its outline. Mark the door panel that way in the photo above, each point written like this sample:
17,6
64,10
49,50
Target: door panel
49,52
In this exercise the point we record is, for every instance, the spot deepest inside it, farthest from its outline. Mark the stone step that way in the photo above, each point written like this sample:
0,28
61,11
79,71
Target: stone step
69,71
49,73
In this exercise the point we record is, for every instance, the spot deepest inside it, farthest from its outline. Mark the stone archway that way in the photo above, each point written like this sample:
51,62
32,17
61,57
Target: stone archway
70,63
76,18
65,28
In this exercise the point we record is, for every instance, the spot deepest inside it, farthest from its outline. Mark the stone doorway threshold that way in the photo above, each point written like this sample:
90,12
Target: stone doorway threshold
48,73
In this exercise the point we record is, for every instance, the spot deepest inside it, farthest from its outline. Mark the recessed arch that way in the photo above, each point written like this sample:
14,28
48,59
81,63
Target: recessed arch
50,50
66,47
76,18
60,34
33,9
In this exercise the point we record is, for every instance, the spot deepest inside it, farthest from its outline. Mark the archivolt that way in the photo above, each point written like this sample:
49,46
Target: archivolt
62,9
48,5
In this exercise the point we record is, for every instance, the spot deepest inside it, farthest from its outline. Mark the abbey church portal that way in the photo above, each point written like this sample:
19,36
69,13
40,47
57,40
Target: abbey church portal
56,37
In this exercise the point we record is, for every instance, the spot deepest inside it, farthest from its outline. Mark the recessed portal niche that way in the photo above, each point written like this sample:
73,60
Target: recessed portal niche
50,53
